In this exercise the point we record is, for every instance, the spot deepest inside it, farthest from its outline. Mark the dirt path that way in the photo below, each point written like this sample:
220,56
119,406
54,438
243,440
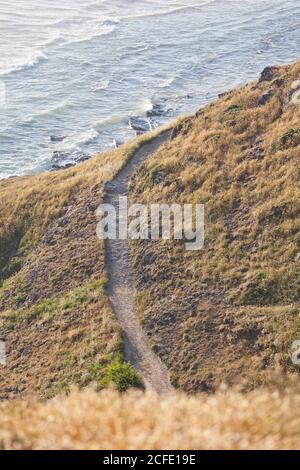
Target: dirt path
121,287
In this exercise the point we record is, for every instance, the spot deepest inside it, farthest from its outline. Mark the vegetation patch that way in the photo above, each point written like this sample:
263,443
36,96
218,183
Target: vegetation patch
241,161
111,420
120,375
54,312
54,344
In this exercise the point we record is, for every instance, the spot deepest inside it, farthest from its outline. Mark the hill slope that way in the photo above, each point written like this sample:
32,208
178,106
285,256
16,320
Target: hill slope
229,312
55,315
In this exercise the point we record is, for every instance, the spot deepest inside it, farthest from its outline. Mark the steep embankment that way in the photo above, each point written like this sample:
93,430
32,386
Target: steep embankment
56,318
229,312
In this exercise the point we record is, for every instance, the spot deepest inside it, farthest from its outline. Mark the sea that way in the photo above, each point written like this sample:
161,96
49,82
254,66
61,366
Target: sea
82,76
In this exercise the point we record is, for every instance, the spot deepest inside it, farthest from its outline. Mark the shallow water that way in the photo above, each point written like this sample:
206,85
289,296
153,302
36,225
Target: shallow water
78,70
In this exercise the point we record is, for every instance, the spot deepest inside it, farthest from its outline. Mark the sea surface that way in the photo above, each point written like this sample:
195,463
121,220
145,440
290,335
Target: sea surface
81,76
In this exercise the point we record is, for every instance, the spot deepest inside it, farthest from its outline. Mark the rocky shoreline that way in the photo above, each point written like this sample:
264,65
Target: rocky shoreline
159,114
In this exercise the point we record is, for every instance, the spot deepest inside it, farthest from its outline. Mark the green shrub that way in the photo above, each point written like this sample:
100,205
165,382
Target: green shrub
121,375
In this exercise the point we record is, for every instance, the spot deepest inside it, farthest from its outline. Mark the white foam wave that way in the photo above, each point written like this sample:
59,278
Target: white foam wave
77,141
143,107
166,83
111,121
30,62
169,11
44,113
103,85
97,31
53,39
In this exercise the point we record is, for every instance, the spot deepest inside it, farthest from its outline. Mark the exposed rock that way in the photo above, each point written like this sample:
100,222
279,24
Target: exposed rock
265,98
159,177
57,138
63,160
199,113
279,82
140,124
57,157
62,167
268,74
158,109
82,158
225,93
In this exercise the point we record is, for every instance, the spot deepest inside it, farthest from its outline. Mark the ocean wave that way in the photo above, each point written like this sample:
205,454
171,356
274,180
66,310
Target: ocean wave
73,29
111,21
142,107
87,37
111,120
77,141
54,39
168,12
166,83
29,63
122,118
47,112
103,85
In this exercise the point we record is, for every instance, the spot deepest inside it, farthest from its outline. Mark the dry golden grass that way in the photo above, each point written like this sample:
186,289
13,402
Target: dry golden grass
55,316
28,205
240,156
228,313
56,343
137,420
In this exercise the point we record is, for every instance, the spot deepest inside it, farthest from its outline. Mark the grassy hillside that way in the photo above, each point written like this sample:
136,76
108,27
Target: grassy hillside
89,420
54,313
228,313
231,311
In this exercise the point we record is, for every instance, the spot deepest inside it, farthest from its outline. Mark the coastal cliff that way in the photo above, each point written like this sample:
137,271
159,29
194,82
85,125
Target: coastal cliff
226,314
